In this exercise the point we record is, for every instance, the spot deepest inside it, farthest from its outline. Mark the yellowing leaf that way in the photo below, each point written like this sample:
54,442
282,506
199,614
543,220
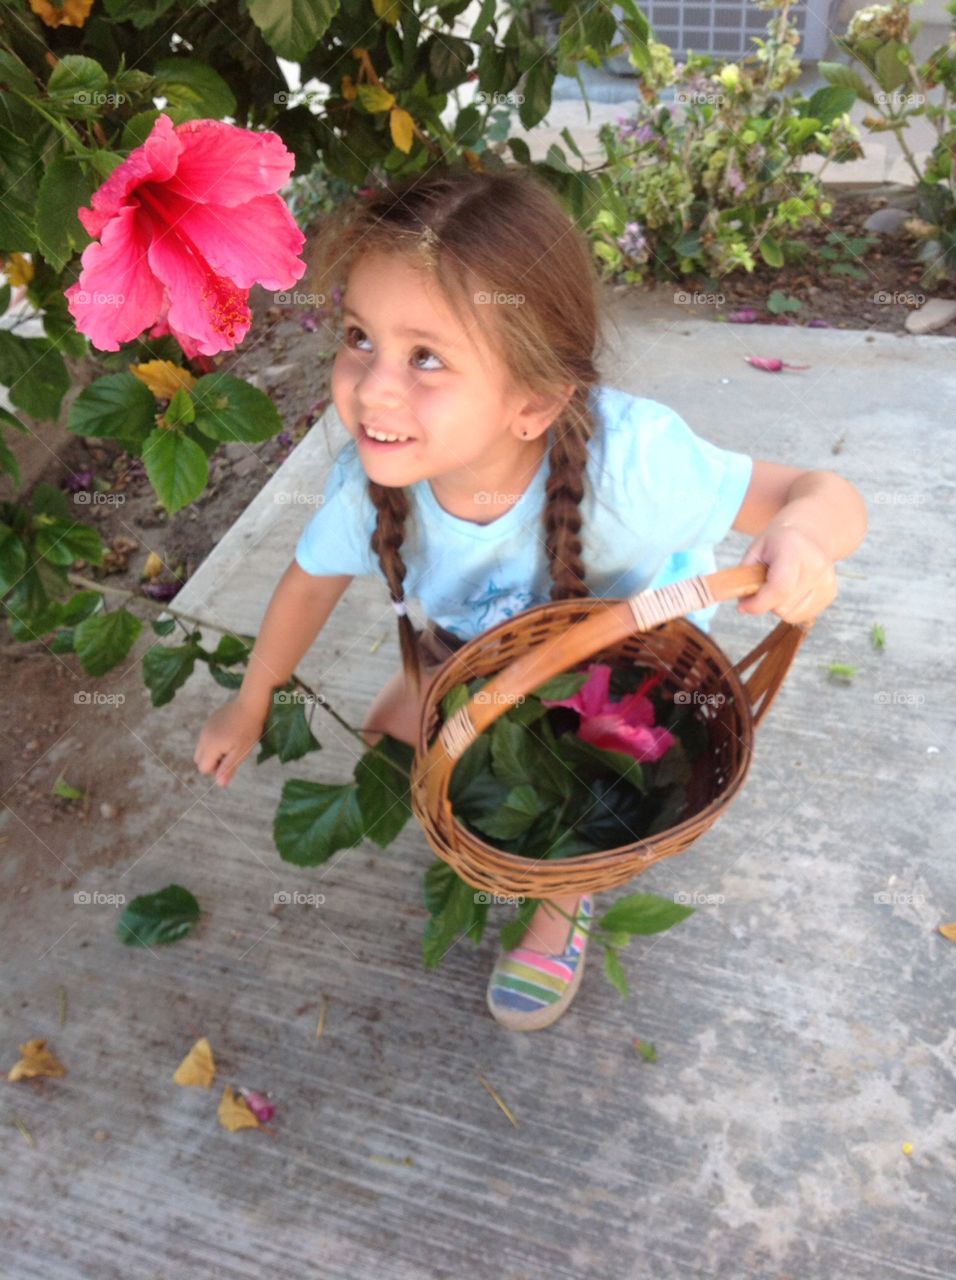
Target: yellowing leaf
375,97
163,377
198,1066
473,160
388,10
402,127
349,91
37,1060
19,270
153,566
948,931
234,1112
73,13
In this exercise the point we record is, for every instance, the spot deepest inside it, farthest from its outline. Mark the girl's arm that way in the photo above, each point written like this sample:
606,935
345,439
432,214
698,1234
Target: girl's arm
297,612
804,521
299,609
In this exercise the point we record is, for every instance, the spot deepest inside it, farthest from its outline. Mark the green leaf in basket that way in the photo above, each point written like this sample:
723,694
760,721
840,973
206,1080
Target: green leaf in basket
561,686
512,753
456,698
164,916
643,913
520,808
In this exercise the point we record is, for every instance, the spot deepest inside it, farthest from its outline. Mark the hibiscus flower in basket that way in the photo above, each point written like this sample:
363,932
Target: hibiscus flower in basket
589,761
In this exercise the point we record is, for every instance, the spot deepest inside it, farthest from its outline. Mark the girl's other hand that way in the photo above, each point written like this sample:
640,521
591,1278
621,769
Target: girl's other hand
226,739
801,580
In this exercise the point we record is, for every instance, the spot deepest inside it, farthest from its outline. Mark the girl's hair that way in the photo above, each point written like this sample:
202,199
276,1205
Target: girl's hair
501,231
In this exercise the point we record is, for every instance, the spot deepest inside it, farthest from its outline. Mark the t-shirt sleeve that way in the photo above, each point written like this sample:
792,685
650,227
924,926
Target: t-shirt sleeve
692,488
337,539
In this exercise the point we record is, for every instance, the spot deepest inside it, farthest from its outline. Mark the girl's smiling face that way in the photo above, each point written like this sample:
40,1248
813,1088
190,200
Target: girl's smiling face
408,367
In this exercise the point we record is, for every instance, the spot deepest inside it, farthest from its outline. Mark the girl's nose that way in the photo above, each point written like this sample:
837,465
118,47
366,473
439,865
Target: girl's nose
380,386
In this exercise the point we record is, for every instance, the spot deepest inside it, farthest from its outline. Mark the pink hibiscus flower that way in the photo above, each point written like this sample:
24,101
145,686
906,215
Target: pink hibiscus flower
185,226
626,725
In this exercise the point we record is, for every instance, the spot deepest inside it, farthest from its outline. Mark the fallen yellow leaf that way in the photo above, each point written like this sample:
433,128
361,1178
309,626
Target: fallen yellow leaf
948,931
153,566
163,377
37,1060
198,1066
234,1112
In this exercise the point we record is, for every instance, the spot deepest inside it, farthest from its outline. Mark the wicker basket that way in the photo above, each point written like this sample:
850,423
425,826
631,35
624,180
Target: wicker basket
648,630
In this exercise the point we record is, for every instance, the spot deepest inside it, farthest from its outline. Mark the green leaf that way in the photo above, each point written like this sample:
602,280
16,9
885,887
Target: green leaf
314,820
63,788
181,411
153,918
103,641
514,817
64,542
615,970
560,687
193,90
646,1050
13,559
538,86
292,28
456,698
119,407
77,87
600,760
64,187
287,733
384,793
890,71
513,932
878,636
449,58
176,466
844,77
771,252
34,373
166,668
778,302
163,626
140,13
47,500
512,759
826,104
643,913
459,915
229,409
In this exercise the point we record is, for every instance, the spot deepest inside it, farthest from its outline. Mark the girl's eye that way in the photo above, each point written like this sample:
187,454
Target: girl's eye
351,341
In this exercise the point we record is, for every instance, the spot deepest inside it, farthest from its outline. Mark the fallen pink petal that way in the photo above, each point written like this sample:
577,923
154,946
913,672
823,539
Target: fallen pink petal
772,365
747,315
259,1105
186,225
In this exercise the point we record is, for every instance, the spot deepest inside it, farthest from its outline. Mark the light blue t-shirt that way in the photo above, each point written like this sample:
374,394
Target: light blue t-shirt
657,499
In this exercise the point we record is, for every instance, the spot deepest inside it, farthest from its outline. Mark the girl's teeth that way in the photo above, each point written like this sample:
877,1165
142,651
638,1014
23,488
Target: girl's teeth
380,435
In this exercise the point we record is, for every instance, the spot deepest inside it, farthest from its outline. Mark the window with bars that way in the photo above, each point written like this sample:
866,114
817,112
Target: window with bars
725,28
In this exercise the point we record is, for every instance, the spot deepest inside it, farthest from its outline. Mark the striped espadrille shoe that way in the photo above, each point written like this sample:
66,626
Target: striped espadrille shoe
529,990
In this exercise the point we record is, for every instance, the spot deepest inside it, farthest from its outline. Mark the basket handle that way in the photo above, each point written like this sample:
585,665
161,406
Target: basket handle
605,627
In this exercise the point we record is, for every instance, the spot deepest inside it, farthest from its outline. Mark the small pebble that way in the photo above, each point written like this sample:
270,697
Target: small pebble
107,810
100,1135
32,745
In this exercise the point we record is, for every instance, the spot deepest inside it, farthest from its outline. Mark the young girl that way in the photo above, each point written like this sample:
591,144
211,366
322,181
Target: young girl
489,471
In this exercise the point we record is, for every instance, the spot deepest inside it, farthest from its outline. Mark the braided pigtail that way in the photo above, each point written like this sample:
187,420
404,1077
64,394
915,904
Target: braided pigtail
564,490
392,508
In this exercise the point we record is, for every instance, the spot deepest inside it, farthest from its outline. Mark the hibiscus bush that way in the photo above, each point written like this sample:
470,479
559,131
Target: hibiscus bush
146,148
900,89
705,184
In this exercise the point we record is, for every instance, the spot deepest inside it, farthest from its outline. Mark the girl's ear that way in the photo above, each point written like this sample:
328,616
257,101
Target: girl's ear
537,414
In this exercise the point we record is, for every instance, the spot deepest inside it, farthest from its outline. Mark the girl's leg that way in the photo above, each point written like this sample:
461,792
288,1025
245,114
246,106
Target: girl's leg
549,930
396,710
